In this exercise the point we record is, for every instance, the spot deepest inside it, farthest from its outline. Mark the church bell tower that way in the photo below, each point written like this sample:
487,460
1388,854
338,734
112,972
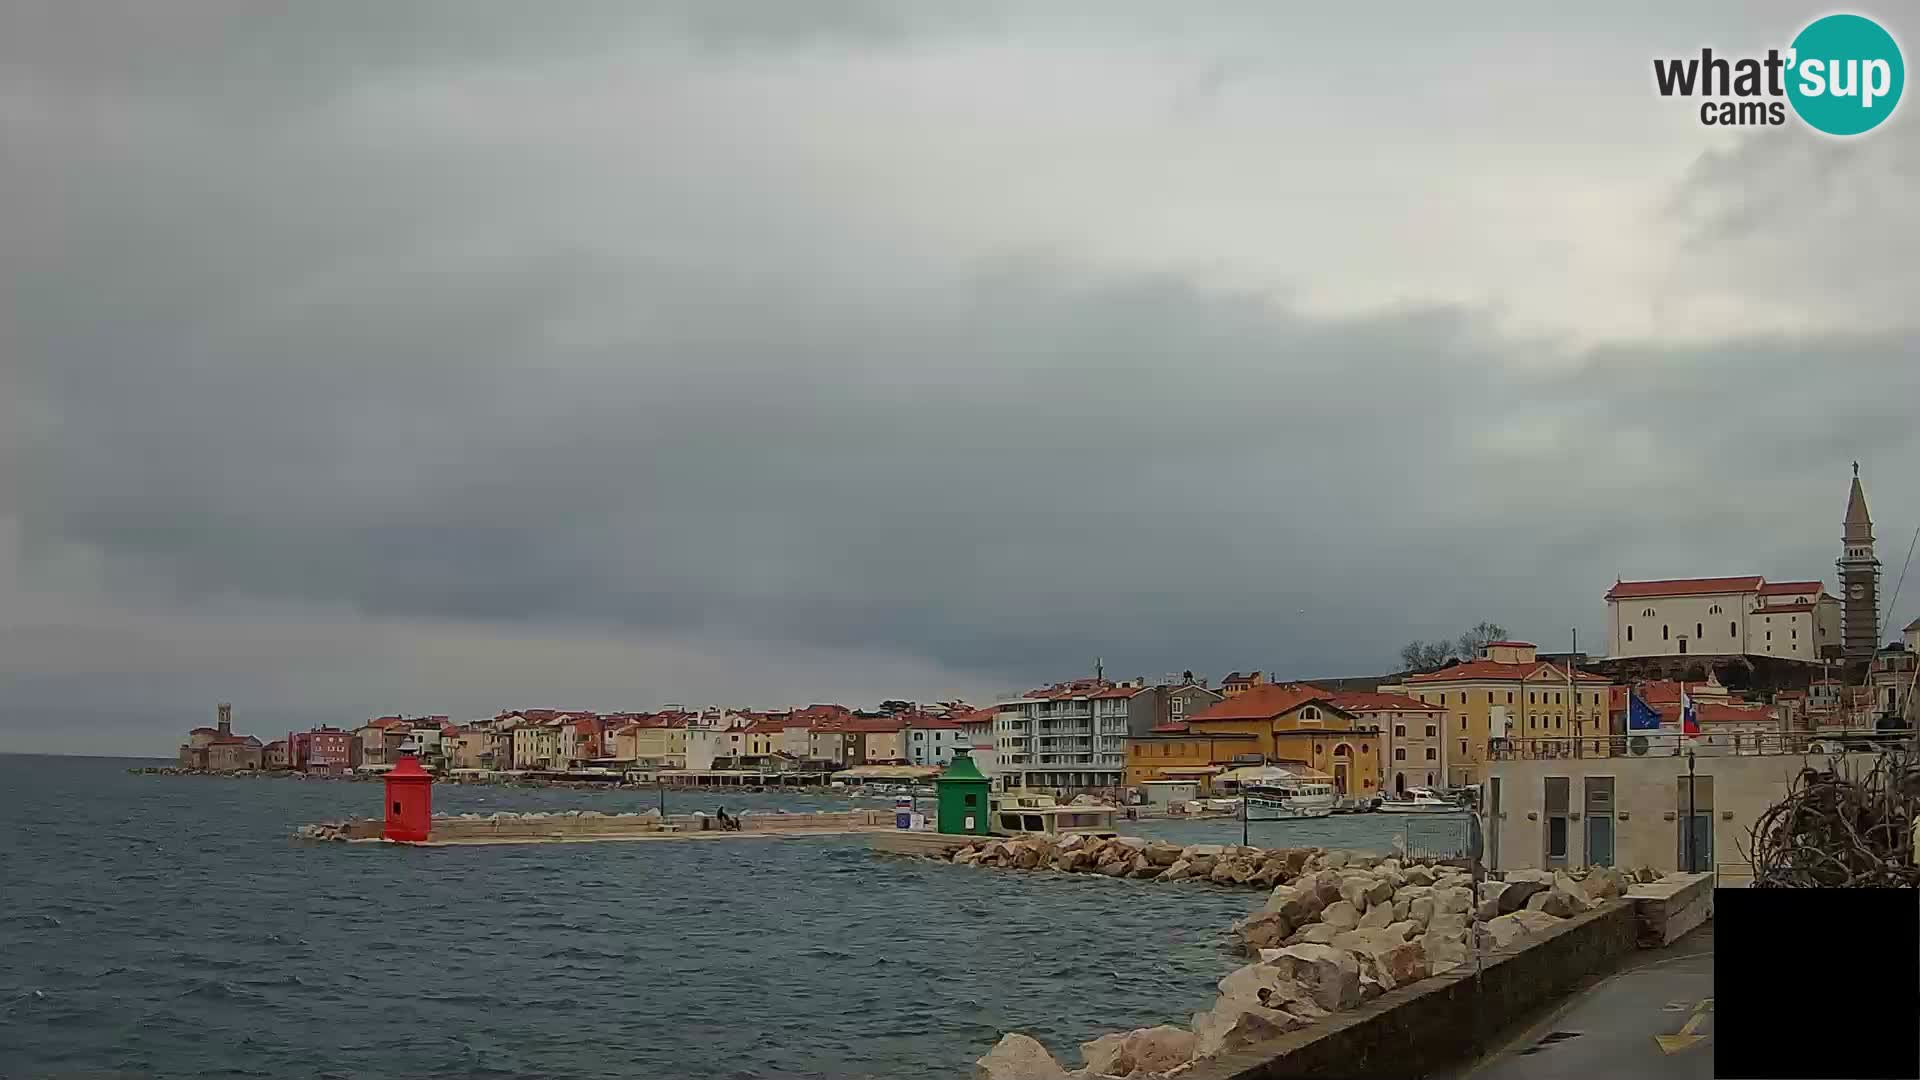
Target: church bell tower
1859,579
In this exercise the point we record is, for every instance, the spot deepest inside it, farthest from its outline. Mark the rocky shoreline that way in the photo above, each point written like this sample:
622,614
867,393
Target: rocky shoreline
1134,857
1338,929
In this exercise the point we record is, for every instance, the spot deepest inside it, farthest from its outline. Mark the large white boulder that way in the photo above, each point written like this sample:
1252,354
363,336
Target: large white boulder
1340,915
1018,1057
1231,1026
1330,976
1377,917
1453,899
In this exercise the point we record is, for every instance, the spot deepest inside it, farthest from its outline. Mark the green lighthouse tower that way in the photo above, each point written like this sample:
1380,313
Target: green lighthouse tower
962,797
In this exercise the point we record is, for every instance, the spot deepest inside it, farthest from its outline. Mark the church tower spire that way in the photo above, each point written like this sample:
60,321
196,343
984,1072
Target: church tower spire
1859,578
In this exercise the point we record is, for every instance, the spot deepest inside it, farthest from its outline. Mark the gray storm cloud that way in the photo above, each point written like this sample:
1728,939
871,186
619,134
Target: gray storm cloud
659,355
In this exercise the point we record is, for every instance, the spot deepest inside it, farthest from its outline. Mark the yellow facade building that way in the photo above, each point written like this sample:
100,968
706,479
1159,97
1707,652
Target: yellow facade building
1508,693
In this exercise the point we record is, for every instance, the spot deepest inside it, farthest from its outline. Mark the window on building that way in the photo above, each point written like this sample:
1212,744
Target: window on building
1489,697
1733,629
1509,697
1463,723
1714,610
1769,635
1463,697
1629,633
1794,634
1663,632
1648,613
1463,748
1433,731
1309,713
1399,731
1530,698
1699,631
1556,699
1432,754
1399,753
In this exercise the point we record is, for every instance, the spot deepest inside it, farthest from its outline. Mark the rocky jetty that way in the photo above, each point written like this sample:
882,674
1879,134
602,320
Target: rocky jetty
342,830
1339,930
1133,857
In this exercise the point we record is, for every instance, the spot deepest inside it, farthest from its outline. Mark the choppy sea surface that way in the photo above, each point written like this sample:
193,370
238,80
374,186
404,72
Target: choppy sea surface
169,926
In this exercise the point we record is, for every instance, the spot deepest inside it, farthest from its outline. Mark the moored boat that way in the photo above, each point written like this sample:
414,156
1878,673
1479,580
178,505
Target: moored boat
1420,800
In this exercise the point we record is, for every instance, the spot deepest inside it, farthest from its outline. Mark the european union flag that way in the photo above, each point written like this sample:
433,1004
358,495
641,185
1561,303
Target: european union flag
1640,715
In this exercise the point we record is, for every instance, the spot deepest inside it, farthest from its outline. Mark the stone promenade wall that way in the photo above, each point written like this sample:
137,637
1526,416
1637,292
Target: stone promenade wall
1441,1021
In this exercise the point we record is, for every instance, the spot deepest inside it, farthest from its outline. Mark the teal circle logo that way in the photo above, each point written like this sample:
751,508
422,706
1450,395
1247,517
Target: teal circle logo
1846,74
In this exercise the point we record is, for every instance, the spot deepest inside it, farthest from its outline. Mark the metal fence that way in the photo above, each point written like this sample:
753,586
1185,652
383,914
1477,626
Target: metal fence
1447,836
1675,744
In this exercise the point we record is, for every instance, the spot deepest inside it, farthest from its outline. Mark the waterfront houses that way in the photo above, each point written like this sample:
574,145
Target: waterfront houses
218,749
1300,723
1070,736
931,740
1508,692
1412,742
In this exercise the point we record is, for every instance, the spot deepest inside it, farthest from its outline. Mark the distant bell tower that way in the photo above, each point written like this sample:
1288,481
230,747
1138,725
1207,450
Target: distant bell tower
1859,579
226,719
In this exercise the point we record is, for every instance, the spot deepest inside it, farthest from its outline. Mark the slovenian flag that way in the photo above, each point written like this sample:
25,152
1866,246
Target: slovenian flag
1640,715
1689,721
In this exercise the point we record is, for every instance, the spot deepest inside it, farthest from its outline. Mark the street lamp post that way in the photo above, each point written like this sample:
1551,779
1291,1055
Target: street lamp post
1692,815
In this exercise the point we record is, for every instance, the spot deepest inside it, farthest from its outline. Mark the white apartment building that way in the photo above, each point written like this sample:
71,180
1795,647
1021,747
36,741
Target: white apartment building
1068,737
1734,616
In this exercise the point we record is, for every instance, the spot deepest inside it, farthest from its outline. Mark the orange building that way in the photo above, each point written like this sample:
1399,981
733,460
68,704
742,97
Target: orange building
1172,751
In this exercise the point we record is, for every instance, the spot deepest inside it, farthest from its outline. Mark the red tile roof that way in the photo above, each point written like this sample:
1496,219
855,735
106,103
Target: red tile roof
1778,588
1119,692
1264,702
978,716
1171,727
1361,701
1624,590
1713,712
1494,669
934,723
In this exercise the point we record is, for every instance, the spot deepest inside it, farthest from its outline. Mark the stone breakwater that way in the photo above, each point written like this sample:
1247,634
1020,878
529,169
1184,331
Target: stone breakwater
573,825
1133,857
1341,930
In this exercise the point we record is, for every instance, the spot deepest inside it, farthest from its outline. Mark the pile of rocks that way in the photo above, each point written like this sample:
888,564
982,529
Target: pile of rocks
1134,857
1341,931
323,830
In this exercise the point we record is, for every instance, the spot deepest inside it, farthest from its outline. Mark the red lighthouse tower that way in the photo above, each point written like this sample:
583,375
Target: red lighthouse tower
409,801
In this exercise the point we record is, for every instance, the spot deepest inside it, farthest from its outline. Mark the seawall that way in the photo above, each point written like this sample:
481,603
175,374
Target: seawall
589,825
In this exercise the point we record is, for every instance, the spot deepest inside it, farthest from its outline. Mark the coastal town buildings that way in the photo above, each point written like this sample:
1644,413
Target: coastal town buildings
1548,809
1508,692
930,740
325,751
1070,736
1734,616
1859,574
1412,742
1299,723
218,749
1237,683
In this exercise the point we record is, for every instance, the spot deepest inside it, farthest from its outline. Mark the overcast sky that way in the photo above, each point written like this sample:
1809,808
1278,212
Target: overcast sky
438,357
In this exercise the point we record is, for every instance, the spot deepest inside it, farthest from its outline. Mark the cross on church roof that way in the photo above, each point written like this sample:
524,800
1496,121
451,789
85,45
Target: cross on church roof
1856,467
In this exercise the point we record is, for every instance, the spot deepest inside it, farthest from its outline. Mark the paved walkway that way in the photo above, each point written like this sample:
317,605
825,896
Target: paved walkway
1653,1020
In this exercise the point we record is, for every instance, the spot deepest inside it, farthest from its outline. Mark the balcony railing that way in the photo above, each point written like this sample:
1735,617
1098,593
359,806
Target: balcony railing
1706,744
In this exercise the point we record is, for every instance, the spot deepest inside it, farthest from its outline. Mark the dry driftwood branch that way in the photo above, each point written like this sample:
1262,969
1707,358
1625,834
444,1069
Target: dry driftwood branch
1836,831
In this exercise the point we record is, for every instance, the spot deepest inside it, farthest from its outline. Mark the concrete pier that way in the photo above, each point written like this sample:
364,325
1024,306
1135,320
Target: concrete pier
591,826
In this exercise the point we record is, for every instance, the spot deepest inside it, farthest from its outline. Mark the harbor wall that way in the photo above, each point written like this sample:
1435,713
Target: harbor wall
1441,1021
590,824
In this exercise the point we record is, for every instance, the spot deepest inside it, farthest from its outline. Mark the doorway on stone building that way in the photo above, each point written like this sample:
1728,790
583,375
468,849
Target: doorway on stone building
1399,783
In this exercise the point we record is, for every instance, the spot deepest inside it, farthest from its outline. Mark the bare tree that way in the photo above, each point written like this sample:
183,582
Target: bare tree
1423,655
1470,643
1426,655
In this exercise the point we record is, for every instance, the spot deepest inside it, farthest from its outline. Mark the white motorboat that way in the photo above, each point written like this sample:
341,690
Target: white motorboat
1283,798
1420,801
1016,813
